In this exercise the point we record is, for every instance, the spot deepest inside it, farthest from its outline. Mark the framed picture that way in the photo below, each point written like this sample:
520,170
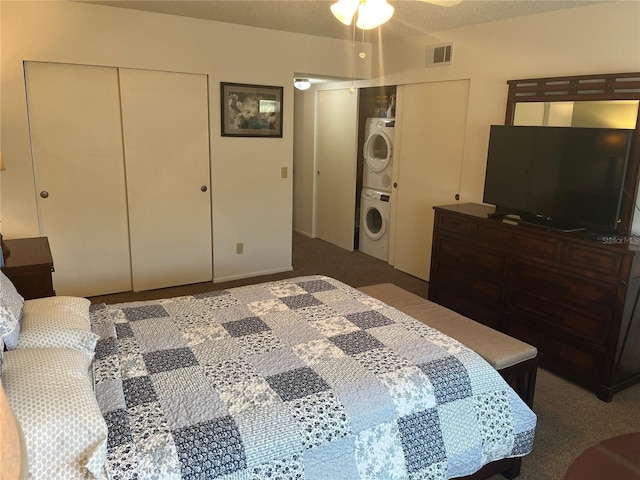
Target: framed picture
251,110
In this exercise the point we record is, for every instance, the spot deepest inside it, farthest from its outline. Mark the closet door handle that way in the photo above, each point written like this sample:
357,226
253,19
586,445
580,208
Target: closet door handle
203,188
44,194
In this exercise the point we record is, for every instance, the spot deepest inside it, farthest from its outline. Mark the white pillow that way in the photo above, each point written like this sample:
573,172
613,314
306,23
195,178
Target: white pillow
52,397
57,322
11,303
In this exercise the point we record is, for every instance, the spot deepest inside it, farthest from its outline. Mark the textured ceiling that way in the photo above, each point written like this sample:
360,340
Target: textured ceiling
412,17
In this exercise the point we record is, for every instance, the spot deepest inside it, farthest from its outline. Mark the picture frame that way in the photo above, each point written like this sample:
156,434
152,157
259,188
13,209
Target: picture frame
251,110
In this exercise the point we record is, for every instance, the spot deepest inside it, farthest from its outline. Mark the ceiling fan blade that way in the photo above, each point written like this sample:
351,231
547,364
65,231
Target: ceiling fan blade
443,3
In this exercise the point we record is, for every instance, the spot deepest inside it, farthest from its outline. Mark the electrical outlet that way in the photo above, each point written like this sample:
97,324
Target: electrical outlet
239,247
283,172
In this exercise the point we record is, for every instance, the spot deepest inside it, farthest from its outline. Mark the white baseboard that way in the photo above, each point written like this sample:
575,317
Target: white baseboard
305,234
250,275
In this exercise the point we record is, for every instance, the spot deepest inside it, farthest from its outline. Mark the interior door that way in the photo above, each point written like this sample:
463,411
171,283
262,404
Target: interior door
429,147
336,165
166,141
76,141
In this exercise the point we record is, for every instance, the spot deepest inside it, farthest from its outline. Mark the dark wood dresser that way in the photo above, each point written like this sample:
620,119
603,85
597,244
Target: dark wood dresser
572,296
29,267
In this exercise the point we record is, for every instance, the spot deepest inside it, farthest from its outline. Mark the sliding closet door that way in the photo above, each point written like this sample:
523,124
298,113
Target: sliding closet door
76,140
429,149
166,143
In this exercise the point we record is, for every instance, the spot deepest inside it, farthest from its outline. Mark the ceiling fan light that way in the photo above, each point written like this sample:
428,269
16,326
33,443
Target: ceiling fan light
373,13
301,83
344,10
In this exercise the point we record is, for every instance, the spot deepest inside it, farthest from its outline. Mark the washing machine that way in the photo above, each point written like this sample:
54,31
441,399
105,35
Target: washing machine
374,223
378,154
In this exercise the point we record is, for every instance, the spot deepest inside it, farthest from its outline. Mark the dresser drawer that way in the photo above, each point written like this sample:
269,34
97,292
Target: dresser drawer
581,365
583,294
486,314
551,313
511,239
31,282
30,267
466,256
598,260
454,223
466,284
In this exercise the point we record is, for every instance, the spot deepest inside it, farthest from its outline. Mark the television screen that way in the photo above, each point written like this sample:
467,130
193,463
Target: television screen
558,175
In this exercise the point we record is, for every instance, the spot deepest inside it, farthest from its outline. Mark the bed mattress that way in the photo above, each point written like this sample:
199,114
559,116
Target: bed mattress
305,378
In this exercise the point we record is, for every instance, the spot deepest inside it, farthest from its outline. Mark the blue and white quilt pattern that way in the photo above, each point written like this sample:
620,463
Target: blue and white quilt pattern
304,378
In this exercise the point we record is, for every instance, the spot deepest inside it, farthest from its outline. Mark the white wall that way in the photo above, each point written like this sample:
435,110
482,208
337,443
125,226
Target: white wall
252,204
600,38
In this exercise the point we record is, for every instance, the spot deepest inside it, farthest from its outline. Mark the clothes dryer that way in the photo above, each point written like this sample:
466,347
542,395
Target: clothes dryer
374,223
378,154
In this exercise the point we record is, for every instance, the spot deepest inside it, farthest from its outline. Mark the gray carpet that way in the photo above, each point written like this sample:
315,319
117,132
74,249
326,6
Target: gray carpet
570,419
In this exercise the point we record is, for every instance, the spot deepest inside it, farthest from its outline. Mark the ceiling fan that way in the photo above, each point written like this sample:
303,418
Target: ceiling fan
372,13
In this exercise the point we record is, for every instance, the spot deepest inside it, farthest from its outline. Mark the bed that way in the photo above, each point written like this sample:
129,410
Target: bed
305,378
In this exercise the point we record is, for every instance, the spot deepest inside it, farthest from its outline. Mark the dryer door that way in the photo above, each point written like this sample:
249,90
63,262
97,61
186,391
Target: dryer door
378,151
375,223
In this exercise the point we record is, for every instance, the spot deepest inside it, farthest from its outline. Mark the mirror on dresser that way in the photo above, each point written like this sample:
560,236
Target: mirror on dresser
606,100
597,113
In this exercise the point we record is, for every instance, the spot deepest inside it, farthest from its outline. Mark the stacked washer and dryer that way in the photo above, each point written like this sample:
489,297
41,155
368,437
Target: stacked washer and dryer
376,187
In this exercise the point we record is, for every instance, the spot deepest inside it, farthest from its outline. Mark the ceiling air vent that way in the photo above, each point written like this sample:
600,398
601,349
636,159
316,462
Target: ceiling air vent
439,54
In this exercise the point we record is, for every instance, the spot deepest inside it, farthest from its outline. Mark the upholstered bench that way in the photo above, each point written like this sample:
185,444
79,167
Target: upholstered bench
515,360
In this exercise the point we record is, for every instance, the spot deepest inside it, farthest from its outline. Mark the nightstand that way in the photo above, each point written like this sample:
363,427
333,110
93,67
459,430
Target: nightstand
29,267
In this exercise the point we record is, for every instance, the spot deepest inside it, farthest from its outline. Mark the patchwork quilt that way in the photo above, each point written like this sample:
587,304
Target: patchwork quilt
305,378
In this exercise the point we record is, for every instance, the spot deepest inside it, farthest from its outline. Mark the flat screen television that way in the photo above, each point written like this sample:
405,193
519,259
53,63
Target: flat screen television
563,177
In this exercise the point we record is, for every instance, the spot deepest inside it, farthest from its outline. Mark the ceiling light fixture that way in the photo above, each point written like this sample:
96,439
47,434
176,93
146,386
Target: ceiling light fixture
301,83
368,13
